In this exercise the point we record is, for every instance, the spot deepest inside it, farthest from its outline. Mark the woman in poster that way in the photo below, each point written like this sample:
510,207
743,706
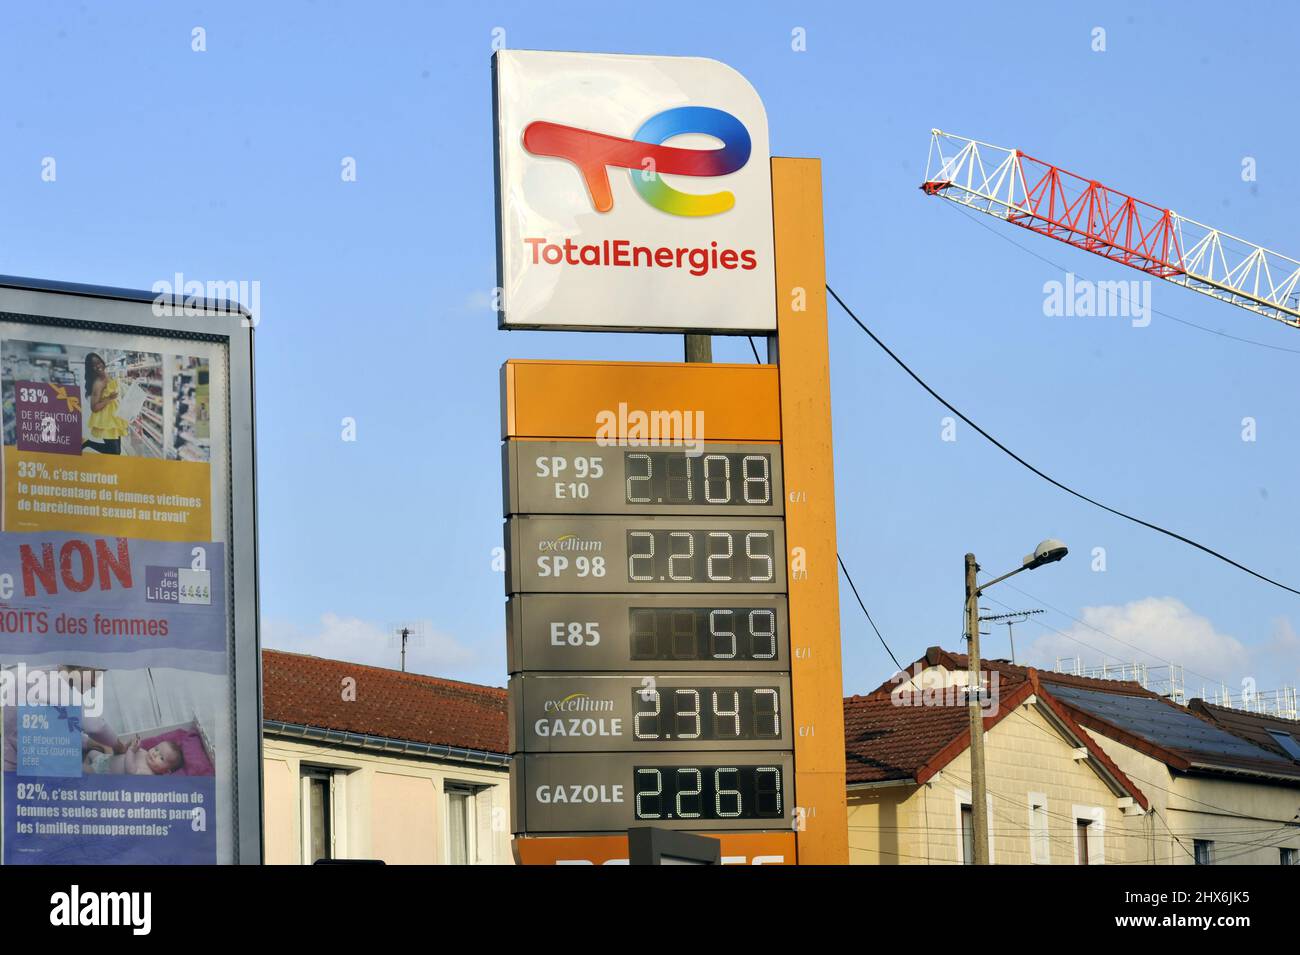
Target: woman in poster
106,428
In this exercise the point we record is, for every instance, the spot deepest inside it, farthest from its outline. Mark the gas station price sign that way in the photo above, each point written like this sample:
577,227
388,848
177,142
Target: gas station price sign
568,713
577,477
666,632
648,621
717,790
551,554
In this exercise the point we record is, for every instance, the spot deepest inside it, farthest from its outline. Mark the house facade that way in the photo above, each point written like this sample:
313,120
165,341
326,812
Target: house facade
1079,771
1054,797
367,763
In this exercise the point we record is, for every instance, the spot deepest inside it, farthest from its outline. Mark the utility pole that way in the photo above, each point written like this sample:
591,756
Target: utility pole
1047,552
978,789
406,632
699,348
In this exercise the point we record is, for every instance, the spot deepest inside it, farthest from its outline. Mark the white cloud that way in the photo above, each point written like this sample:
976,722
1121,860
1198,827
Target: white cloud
1277,662
362,641
1164,627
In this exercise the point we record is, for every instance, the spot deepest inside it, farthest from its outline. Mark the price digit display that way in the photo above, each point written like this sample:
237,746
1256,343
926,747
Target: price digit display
702,633
715,478
712,713
690,556
708,792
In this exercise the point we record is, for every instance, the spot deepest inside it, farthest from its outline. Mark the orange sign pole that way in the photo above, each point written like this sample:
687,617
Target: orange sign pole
804,367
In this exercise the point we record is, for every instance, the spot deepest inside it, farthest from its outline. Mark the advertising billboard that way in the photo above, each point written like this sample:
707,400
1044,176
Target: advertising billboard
633,193
128,628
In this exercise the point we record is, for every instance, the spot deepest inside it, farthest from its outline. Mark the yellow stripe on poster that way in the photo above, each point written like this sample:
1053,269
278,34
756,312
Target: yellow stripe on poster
145,498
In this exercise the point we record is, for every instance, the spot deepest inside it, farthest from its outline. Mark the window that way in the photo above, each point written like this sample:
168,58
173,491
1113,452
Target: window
461,824
1287,742
967,835
1089,834
318,814
1203,849
1040,851
964,821
1289,856
1081,831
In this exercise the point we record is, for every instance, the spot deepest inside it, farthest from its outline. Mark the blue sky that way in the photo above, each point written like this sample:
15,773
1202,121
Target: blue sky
225,164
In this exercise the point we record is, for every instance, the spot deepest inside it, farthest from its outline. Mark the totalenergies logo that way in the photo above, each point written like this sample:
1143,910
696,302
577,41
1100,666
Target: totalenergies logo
646,158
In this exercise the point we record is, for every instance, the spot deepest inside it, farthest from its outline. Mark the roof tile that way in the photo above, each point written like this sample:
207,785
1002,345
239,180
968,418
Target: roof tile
308,691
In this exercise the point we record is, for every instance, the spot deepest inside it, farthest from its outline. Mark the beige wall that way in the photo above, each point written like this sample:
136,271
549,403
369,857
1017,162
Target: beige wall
1247,821
386,806
1024,754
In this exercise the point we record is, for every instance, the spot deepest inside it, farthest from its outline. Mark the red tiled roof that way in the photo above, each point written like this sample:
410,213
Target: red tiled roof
308,691
1174,745
885,740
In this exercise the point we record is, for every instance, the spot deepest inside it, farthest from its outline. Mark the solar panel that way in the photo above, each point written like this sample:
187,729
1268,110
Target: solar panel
1164,725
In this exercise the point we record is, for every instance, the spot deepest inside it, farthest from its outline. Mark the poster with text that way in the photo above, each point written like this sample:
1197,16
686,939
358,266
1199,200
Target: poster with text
116,709
113,663
106,440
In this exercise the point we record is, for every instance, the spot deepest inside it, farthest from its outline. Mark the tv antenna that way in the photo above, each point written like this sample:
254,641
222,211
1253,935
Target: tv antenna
402,633
1011,619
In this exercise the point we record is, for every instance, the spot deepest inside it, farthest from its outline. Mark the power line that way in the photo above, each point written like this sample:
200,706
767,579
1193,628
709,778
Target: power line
854,588
847,575
1046,477
1082,643
1111,636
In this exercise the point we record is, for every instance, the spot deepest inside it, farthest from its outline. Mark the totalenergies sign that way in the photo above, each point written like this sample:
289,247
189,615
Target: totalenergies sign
633,193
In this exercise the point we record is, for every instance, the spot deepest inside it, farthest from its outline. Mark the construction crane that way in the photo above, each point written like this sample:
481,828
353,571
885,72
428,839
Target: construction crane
1011,185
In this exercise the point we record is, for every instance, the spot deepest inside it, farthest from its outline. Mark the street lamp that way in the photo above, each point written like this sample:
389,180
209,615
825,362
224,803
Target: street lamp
1048,552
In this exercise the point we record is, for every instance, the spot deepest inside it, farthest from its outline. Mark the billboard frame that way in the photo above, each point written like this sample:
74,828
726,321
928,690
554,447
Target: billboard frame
108,309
